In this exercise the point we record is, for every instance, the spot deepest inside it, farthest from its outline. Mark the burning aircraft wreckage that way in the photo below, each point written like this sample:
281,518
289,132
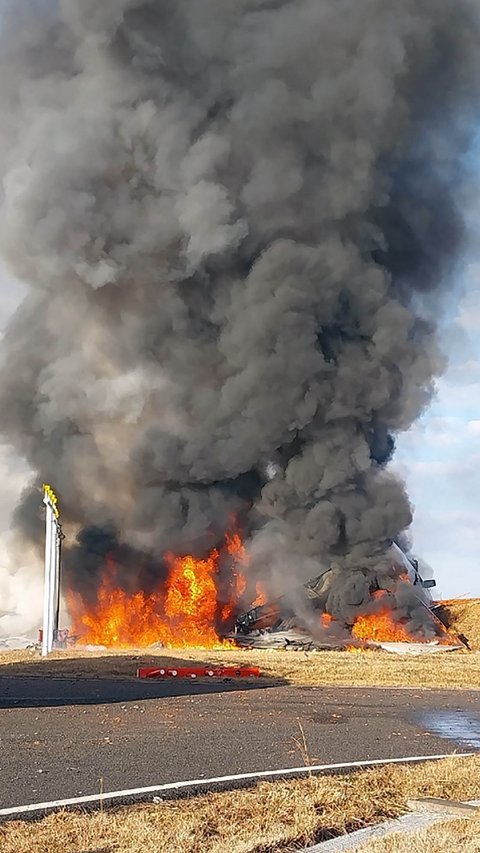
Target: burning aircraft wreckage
197,607
237,221
276,624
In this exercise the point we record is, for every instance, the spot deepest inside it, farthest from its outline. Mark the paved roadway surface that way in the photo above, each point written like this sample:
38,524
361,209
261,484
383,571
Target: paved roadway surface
59,737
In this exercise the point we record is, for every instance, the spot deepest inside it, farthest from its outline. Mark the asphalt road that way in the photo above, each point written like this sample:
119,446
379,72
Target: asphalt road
67,737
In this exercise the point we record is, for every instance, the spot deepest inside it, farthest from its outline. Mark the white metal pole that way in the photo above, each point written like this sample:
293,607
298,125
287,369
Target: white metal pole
53,584
47,591
58,566
52,569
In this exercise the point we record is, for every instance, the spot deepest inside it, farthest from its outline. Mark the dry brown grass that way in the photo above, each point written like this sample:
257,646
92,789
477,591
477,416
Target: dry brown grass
456,670
269,818
457,836
460,670
463,614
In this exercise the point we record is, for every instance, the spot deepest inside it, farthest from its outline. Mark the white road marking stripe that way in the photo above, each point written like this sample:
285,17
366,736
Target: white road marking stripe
204,783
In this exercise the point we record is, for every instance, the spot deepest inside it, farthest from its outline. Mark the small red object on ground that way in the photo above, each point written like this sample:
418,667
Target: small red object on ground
198,672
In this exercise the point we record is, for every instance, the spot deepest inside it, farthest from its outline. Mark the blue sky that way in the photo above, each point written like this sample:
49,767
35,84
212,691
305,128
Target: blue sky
439,457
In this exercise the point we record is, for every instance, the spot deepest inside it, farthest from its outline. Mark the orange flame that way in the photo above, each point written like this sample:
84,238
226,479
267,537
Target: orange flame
116,619
236,549
326,620
380,627
191,602
183,615
260,596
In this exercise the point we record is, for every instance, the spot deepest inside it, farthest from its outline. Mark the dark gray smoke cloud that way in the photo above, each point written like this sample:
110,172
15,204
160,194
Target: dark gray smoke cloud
234,217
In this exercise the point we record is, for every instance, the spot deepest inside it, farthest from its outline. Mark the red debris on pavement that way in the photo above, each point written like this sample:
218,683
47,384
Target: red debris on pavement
198,672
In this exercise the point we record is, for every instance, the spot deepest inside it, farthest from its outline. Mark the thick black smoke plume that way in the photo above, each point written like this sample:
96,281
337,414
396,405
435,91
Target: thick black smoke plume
235,217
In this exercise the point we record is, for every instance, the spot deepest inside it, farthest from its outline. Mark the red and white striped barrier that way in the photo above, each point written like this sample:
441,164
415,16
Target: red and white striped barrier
198,672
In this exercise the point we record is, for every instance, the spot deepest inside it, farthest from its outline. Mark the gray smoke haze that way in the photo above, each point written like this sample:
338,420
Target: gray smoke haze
233,217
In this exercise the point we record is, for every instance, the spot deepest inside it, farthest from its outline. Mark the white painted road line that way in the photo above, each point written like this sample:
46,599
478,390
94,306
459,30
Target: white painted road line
140,793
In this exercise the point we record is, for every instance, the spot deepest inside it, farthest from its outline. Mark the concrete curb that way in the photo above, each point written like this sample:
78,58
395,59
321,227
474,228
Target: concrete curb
414,822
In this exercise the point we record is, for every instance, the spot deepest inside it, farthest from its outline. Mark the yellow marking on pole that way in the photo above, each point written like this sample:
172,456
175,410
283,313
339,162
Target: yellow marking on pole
50,494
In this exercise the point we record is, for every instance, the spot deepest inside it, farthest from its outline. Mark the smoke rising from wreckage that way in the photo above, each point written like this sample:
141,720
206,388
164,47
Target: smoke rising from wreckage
237,219
277,623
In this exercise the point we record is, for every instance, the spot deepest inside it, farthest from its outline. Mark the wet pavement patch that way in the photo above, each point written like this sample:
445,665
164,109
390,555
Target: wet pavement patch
460,726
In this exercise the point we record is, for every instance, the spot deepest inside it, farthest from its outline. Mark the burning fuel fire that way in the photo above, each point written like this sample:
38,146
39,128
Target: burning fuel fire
380,627
182,615
260,595
198,603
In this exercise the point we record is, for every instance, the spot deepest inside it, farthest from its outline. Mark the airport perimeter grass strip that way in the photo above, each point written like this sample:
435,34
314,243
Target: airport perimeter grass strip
448,670
268,818
140,794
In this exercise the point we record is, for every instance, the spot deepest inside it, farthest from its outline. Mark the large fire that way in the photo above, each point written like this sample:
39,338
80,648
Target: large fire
183,614
380,627
197,602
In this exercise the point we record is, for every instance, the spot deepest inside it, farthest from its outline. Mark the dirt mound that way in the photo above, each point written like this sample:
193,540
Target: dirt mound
463,616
